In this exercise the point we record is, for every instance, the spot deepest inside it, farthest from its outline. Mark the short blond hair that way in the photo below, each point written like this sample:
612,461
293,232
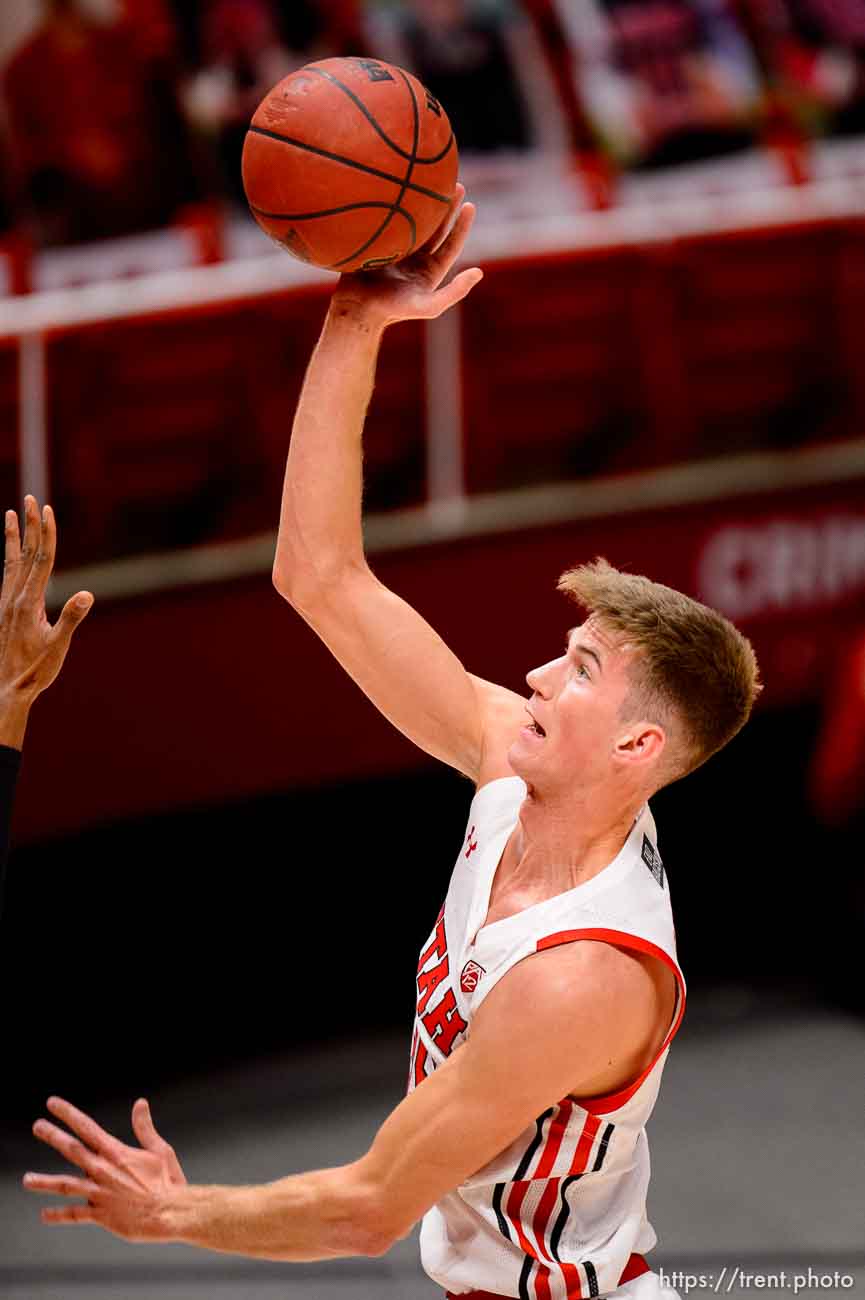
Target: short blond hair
694,668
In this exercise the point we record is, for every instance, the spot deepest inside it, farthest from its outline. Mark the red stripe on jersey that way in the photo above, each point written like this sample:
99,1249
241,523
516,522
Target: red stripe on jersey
621,939
515,1201
543,1212
545,1164
635,1267
554,1138
542,1283
570,1272
584,1146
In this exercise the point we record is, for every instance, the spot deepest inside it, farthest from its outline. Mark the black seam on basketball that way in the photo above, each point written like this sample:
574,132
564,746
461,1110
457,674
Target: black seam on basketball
308,216
323,212
405,184
350,162
371,118
334,266
414,145
404,212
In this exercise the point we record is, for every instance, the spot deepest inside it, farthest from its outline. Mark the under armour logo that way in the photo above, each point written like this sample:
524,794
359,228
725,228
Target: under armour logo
470,843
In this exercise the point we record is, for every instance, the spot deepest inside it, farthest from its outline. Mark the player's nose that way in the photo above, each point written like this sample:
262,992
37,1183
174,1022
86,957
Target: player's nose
539,680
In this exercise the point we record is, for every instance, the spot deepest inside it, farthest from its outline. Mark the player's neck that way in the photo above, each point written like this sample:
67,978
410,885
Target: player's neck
573,838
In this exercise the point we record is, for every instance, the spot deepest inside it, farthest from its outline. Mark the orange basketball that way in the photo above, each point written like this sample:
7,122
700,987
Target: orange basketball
349,164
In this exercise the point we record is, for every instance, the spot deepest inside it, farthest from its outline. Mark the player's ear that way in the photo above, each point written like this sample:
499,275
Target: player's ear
642,742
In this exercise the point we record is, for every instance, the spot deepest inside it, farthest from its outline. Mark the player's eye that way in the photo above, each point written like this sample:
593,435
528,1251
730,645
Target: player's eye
583,671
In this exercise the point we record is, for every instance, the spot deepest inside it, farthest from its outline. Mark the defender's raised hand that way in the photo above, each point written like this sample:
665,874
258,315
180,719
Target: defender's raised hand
125,1189
413,289
31,649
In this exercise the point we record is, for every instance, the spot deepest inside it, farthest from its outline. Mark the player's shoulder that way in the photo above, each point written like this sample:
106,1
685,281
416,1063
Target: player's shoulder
586,970
503,712
573,1010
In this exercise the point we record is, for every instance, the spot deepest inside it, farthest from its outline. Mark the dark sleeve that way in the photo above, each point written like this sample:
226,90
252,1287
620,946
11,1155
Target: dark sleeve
10,762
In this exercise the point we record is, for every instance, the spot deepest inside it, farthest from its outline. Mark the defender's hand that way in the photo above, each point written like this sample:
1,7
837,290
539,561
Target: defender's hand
412,289
31,650
126,1189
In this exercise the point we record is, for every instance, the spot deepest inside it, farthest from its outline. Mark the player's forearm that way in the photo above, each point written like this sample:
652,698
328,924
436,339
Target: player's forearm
320,532
321,1215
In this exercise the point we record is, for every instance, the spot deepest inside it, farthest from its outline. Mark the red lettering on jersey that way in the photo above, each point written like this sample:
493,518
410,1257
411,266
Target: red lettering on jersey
438,945
444,1023
471,844
429,980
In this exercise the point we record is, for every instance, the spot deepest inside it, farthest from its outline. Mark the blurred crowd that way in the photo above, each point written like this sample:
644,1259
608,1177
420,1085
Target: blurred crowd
119,115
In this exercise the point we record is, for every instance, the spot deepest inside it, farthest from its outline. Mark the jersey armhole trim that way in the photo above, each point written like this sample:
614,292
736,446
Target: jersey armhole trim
621,939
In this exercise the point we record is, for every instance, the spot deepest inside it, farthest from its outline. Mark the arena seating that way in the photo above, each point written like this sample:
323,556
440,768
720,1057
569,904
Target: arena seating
169,429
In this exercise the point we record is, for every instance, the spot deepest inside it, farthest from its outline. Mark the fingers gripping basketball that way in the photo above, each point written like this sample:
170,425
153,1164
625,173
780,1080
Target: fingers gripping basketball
350,164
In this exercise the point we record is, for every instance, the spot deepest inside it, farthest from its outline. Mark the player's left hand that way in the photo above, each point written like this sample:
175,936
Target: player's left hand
126,1189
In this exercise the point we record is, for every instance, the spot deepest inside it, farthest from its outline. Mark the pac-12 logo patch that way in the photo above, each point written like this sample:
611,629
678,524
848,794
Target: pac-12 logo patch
470,977
652,859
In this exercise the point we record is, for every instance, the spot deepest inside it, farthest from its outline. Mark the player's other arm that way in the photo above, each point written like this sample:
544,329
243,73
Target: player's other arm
446,1130
392,653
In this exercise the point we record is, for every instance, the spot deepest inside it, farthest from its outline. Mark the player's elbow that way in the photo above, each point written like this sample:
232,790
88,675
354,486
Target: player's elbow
281,578
373,1225
309,589
300,592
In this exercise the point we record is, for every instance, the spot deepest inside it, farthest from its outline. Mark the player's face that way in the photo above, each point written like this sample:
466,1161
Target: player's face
576,711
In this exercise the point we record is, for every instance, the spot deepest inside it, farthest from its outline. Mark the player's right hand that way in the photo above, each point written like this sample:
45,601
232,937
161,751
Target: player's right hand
414,288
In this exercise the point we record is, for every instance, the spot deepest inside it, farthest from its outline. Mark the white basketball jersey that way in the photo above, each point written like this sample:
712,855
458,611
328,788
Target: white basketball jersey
560,1212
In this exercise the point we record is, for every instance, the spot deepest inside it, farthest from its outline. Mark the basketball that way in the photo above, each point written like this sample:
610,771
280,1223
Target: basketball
349,164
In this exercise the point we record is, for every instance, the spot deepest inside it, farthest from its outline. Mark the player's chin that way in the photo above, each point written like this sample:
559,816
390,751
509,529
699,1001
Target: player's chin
525,749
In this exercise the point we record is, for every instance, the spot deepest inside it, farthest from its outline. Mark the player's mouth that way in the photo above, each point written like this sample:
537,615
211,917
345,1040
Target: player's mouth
534,726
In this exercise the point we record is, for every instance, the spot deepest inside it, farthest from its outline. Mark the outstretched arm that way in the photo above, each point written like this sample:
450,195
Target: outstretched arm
320,568
438,1136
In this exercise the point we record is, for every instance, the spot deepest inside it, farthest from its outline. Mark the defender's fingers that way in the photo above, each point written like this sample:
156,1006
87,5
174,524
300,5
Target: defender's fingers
32,529
61,1185
73,612
12,556
87,1129
42,563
